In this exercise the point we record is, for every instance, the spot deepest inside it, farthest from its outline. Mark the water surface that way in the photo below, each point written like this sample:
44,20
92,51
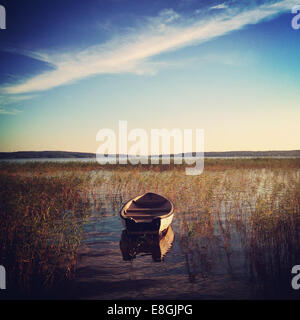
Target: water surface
213,261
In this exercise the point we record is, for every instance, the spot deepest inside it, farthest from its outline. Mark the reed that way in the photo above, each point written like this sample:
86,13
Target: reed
40,229
250,205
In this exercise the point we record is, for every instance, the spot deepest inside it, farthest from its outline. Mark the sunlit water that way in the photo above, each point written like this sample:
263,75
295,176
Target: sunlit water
93,159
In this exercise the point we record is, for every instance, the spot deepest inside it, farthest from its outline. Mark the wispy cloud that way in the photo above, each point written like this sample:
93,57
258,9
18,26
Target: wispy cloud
131,52
219,6
8,100
12,112
8,103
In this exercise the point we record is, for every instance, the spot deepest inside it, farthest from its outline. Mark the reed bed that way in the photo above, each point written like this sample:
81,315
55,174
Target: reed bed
41,223
227,215
249,205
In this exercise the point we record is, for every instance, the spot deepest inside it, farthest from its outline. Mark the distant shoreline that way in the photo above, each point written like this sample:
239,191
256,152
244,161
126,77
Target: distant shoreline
67,154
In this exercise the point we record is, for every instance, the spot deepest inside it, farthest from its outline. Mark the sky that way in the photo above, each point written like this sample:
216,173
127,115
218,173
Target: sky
69,68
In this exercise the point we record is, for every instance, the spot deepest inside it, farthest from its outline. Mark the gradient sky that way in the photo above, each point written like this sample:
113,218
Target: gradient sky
70,67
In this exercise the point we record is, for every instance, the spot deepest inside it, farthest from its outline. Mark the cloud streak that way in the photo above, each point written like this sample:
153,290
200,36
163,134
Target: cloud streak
11,112
7,101
219,6
131,52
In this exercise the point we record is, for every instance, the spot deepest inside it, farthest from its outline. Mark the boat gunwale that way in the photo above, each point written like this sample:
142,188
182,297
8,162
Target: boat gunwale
155,217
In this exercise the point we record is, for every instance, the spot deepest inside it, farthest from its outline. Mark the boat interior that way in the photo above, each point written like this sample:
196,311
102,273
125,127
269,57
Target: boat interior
148,205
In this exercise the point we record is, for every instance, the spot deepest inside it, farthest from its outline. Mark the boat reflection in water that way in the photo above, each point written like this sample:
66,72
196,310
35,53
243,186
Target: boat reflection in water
148,244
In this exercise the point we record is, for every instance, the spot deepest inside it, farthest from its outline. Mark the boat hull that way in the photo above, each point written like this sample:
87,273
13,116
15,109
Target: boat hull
149,213
157,225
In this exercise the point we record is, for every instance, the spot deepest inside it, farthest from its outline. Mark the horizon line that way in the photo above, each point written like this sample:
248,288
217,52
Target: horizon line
193,152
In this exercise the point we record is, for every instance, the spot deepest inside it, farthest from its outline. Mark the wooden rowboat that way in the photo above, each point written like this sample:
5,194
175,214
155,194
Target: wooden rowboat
147,213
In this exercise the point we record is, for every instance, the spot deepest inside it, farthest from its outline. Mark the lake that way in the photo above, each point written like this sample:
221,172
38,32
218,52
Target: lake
94,160
223,253
235,233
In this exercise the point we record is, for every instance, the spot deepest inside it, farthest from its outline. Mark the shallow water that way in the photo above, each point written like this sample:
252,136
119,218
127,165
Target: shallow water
231,238
220,265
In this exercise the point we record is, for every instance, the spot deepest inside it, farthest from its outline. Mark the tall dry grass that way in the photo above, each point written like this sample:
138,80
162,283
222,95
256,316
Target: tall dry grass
41,223
252,205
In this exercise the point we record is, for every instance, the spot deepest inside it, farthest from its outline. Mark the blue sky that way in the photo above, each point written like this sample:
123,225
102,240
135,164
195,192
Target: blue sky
69,68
